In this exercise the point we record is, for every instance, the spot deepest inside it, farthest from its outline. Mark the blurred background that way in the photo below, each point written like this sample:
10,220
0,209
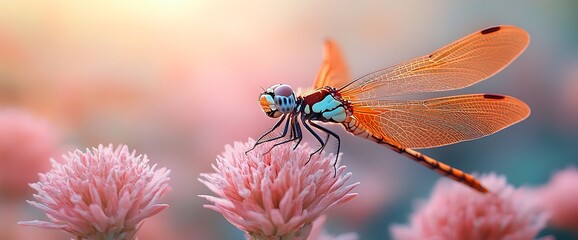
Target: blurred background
178,80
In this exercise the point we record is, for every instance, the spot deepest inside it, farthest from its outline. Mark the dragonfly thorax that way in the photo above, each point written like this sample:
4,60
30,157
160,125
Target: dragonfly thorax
326,105
278,100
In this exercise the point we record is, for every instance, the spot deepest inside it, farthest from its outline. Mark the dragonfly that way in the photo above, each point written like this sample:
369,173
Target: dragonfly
366,107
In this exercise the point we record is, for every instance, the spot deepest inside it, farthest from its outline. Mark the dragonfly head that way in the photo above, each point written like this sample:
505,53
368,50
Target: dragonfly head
277,100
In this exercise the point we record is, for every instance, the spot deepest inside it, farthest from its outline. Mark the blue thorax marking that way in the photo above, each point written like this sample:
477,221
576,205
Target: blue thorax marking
327,104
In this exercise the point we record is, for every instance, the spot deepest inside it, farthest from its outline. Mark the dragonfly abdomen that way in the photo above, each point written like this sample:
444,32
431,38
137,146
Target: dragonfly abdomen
444,169
353,126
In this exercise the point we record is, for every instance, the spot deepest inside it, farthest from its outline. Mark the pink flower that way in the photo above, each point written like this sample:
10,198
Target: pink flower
26,144
100,194
275,195
456,212
317,232
558,197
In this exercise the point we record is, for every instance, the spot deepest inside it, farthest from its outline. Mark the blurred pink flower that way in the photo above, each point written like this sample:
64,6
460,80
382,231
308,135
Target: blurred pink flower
558,197
26,145
100,194
456,212
317,232
275,195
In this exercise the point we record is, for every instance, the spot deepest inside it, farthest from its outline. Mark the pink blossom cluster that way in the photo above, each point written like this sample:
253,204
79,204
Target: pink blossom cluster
103,193
457,212
275,195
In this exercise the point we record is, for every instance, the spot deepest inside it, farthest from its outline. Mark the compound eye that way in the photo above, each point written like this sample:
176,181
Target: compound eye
283,91
268,105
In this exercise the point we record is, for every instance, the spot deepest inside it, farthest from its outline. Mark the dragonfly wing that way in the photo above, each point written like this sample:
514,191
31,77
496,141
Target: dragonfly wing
333,70
460,64
439,121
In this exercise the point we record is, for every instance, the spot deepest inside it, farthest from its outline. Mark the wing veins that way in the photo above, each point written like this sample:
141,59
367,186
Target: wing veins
460,64
443,120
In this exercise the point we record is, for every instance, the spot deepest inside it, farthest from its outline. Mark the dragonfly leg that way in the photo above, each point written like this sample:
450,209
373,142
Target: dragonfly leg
329,133
325,141
295,134
299,134
316,137
264,135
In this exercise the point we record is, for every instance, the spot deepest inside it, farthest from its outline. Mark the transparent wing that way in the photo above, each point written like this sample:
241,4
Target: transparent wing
439,121
460,64
333,70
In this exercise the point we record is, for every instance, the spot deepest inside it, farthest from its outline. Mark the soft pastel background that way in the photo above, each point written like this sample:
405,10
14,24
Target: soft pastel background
179,79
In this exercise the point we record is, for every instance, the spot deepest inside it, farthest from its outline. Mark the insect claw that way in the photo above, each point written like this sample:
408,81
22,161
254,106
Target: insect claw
313,153
309,160
252,148
268,151
335,166
249,150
